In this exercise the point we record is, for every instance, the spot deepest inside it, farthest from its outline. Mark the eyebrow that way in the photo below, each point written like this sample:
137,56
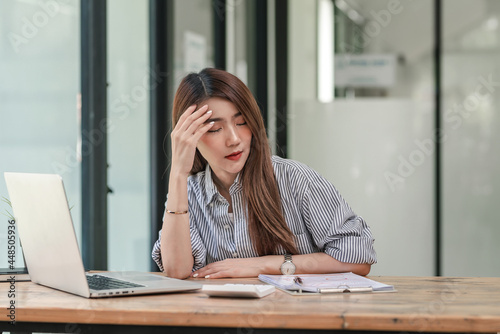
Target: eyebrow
218,119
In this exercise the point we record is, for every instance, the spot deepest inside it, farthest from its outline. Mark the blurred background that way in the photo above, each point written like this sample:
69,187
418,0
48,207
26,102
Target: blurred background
392,100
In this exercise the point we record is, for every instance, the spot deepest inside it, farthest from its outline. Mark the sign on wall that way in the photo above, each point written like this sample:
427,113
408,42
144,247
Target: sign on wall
365,70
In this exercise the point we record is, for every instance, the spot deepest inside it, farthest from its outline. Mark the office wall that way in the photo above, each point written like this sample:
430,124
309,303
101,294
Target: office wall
355,144
39,83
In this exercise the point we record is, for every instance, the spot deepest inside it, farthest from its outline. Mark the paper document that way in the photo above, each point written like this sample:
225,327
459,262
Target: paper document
326,283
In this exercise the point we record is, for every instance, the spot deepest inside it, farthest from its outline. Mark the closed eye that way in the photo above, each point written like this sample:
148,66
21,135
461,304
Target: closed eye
216,130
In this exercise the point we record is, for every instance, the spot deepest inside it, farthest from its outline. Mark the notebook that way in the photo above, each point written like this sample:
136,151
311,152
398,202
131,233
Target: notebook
325,283
50,247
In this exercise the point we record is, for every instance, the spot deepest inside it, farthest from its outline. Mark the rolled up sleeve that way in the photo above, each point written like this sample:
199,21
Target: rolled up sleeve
335,228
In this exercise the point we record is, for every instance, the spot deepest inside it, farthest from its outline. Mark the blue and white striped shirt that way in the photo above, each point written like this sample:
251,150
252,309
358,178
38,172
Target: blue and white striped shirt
319,218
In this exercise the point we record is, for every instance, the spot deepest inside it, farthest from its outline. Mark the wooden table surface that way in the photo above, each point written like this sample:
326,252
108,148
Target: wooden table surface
421,304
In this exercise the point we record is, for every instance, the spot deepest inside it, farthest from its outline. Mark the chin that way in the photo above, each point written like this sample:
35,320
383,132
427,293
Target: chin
235,169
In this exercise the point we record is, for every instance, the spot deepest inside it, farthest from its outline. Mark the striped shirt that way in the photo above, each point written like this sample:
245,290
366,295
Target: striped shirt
319,218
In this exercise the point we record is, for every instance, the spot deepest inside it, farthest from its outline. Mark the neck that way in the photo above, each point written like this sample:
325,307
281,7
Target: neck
223,185
223,188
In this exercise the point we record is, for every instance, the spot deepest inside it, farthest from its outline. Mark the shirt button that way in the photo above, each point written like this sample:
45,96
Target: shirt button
235,254
227,227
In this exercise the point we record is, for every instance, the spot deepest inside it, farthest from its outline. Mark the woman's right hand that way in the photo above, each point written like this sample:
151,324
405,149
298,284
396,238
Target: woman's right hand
185,136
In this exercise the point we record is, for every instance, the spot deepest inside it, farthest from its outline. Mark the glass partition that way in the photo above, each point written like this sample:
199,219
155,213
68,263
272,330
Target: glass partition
471,161
128,135
39,85
193,36
374,140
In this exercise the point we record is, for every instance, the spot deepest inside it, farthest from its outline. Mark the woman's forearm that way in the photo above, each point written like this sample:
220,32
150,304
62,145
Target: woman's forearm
316,263
176,253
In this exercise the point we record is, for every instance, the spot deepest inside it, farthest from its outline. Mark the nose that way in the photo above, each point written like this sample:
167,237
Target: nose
233,137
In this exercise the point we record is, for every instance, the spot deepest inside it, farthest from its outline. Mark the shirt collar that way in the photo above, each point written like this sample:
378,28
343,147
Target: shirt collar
210,188
236,186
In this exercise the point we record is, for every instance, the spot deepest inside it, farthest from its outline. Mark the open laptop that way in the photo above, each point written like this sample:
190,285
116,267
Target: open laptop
51,250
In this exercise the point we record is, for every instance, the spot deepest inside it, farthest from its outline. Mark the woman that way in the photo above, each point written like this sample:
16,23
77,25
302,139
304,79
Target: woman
233,210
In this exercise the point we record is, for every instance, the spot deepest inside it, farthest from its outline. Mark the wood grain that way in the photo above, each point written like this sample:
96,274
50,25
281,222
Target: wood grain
421,304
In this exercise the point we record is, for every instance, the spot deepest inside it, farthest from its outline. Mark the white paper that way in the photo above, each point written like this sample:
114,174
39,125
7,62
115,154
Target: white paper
313,283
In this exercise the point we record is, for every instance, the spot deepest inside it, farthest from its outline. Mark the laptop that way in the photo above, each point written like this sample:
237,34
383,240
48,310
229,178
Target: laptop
50,247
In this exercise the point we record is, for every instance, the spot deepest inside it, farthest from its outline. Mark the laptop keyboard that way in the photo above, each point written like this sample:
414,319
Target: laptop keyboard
99,282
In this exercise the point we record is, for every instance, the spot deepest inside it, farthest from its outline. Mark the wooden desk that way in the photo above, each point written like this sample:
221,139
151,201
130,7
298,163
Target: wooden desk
421,304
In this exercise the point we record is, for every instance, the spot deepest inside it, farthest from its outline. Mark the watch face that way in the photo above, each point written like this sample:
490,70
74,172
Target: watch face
287,268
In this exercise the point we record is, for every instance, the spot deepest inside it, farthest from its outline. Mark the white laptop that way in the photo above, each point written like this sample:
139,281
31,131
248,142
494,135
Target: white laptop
51,250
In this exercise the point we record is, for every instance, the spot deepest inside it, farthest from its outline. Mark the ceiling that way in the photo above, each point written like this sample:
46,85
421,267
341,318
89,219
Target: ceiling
410,30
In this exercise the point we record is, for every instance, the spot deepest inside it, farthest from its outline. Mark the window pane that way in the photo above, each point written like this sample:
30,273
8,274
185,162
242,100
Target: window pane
128,138
193,29
374,141
40,80
471,163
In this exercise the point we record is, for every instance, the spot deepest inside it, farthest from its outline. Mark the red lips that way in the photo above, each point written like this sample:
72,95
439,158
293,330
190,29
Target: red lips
234,156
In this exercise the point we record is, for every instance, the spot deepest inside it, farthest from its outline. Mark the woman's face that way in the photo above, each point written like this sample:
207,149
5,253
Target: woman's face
226,146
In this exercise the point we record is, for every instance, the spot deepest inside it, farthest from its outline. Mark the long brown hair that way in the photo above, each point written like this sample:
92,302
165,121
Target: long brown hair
266,223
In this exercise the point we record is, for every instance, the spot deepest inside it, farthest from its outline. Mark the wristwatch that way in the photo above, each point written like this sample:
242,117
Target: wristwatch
287,267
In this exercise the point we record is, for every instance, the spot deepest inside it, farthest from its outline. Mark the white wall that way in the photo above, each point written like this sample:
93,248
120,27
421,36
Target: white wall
369,149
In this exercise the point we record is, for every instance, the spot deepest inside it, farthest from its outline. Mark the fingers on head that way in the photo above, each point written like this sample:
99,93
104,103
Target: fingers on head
195,109
188,111
197,123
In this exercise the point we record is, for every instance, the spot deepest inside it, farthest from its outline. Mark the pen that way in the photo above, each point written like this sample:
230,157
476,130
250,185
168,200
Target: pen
297,280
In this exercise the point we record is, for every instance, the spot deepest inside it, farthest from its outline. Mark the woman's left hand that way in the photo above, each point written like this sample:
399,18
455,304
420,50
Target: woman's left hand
248,267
